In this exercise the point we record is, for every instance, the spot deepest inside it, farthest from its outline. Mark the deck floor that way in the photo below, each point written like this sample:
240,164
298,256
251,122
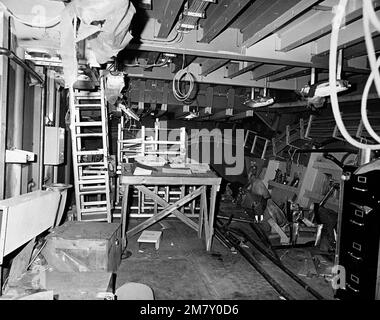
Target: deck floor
183,269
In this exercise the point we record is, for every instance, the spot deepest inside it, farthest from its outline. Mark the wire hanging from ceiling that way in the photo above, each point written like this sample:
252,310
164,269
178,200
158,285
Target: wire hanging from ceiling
183,75
337,21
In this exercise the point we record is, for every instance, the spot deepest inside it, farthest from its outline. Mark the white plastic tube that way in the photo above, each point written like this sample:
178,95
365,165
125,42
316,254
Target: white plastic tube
340,12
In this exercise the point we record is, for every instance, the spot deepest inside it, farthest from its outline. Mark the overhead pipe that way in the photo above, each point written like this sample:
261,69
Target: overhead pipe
11,55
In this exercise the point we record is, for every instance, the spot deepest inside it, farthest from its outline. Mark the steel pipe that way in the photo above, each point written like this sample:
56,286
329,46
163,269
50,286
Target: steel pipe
10,54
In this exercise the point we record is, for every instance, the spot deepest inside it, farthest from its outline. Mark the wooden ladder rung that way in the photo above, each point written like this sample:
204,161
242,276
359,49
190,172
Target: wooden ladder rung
94,181
89,192
93,203
88,105
82,164
92,210
89,152
88,135
88,124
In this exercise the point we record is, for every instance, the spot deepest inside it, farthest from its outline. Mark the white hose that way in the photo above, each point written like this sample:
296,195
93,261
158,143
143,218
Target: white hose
370,16
340,12
187,76
364,114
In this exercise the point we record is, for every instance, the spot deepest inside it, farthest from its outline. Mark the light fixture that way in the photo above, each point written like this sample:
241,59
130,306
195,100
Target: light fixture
259,102
323,89
192,115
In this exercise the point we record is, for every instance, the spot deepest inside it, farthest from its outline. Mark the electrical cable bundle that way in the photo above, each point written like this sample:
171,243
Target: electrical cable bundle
183,75
369,16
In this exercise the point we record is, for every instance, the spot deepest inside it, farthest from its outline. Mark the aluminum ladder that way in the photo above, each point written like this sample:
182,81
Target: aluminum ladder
89,135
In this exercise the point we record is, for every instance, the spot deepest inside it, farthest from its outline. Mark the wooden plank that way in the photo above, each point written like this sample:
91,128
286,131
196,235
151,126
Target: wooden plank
210,227
221,17
158,200
195,179
124,208
171,11
28,216
164,213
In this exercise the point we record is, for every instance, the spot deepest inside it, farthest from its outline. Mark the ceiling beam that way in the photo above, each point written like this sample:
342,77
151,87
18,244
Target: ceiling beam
171,11
204,113
141,107
359,49
216,77
182,61
296,74
220,18
288,74
153,57
162,111
317,26
272,73
250,67
210,97
242,115
231,98
264,15
341,99
284,12
222,114
210,65
348,36
184,112
218,52
249,13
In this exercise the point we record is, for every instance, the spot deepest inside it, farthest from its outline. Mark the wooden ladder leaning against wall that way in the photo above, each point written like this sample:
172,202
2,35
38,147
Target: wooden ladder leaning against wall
89,134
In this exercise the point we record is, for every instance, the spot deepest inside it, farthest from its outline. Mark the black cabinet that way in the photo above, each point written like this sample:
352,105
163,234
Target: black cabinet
359,235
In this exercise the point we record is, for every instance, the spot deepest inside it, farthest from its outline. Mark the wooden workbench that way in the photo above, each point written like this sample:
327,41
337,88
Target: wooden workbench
202,181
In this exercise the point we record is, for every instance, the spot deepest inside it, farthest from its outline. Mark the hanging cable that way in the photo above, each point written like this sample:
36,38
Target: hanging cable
337,20
183,75
177,39
367,19
364,113
48,24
